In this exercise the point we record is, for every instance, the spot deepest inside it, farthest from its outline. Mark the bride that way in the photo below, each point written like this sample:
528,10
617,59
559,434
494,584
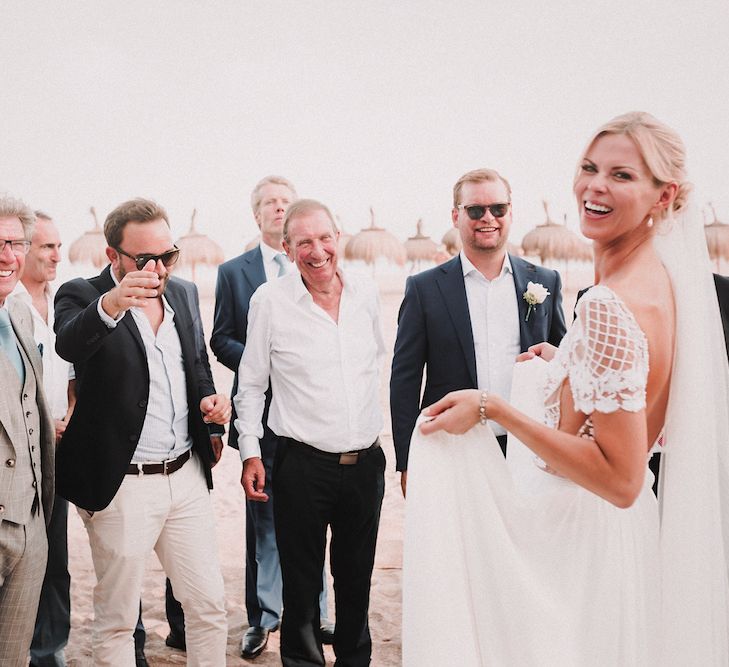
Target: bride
579,564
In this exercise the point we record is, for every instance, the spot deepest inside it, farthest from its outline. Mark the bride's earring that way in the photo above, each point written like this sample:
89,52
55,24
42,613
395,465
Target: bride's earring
649,224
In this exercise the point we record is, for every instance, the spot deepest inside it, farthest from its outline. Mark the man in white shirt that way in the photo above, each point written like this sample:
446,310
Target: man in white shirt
316,337
238,279
34,290
466,320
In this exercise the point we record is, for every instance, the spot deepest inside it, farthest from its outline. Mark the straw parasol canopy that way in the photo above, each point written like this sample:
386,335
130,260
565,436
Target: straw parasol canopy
344,238
552,240
196,248
717,239
420,248
374,242
90,247
452,241
252,243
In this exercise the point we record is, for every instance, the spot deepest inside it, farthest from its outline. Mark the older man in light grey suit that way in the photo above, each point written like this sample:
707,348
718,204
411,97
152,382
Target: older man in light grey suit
26,448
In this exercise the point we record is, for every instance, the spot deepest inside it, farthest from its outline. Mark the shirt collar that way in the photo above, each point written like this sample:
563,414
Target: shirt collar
468,267
21,291
301,292
268,252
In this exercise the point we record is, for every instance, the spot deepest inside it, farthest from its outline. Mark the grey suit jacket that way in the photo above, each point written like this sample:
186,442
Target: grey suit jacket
10,428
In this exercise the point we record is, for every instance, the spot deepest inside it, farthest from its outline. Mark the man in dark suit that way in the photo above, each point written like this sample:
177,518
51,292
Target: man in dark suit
136,455
722,292
27,437
465,321
238,279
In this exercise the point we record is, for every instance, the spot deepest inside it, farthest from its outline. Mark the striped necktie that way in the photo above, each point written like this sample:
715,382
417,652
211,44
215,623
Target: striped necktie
9,345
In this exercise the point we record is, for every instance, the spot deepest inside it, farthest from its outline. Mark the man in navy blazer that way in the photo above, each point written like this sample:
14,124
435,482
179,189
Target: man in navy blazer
238,279
466,320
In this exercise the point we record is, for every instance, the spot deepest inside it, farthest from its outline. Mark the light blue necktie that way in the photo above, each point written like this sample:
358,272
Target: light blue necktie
9,345
283,261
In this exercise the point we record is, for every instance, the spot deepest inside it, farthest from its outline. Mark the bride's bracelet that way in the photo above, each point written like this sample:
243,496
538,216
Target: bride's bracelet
482,417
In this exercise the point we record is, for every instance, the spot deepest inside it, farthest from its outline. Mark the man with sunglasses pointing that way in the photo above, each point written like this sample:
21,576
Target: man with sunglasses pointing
466,320
136,454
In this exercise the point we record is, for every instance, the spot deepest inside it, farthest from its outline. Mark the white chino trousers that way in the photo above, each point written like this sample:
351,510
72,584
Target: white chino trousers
173,515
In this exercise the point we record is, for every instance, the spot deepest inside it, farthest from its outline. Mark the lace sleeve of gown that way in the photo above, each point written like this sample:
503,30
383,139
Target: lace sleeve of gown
608,367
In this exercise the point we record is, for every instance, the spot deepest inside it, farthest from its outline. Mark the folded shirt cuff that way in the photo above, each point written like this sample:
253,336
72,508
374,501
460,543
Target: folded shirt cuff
248,447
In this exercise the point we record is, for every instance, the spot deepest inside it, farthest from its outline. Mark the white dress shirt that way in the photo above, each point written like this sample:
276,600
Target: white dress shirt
495,325
324,374
270,265
56,371
165,433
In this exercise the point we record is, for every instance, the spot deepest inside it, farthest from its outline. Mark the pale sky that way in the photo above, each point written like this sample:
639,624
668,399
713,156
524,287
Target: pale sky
377,103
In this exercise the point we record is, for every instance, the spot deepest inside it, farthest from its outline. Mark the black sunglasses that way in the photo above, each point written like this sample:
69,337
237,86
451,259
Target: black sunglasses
167,258
477,211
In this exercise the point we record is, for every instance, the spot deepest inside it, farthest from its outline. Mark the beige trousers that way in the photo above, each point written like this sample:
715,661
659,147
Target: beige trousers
173,515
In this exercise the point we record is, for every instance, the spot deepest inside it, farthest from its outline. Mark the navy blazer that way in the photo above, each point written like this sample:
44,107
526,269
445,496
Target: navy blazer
112,388
238,279
434,332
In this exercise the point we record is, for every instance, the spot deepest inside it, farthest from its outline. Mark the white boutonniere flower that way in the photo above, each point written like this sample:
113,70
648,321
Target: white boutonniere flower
536,293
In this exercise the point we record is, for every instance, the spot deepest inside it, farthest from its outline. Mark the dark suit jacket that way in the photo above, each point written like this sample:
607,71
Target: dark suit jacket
112,387
238,279
434,331
722,292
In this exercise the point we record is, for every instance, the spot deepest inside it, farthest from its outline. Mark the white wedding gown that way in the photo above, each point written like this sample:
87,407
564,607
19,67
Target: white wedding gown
525,567
508,565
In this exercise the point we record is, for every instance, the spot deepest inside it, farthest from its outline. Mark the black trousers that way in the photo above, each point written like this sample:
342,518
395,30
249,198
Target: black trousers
313,492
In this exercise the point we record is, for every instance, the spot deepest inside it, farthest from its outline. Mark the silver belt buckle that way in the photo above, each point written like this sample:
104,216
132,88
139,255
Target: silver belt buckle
164,466
348,458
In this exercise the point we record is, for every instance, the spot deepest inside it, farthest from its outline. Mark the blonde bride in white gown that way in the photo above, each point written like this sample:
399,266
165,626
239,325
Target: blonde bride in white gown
564,556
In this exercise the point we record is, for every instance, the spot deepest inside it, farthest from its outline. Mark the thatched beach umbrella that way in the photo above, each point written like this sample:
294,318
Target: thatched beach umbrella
344,238
252,243
420,248
452,241
196,248
374,242
717,239
90,247
551,240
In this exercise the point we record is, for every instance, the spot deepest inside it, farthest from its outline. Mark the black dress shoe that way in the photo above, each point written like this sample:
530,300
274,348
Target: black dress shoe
326,632
140,659
174,640
254,641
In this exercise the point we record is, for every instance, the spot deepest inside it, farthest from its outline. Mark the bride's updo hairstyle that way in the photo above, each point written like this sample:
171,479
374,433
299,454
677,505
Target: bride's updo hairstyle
662,149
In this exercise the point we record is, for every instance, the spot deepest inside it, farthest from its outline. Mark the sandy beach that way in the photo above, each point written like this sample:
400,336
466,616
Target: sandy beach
228,500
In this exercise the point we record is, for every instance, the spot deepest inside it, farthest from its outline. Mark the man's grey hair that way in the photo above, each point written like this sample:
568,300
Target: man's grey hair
302,207
275,180
15,208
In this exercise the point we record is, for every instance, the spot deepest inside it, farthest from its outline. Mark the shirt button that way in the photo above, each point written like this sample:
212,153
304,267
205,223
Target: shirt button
10,463
142,404
32,448
25,397
30,431
27,414
35,484
2,508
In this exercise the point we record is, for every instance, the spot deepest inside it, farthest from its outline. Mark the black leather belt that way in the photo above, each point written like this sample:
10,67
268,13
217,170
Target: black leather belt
343,458
164,468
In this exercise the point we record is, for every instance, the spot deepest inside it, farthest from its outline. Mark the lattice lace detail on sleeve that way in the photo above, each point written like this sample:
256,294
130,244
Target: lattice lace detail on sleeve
608,367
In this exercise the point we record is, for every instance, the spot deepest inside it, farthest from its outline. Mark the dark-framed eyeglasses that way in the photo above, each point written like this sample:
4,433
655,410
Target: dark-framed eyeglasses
477,211
167,258
18,246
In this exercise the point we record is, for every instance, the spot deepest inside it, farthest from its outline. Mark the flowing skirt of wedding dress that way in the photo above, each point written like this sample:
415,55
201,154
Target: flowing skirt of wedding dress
516,566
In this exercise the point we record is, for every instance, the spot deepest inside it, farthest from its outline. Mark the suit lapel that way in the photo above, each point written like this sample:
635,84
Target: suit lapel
103,283
524,272
453,290
253,271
